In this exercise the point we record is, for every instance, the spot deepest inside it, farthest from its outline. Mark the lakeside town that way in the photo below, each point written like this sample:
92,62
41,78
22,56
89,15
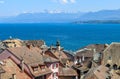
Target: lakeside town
33,59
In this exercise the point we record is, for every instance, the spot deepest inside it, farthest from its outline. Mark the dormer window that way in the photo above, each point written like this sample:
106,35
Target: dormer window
35,68
110,58
42,67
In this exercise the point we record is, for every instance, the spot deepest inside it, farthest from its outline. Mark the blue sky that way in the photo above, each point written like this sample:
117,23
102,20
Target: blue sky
15,7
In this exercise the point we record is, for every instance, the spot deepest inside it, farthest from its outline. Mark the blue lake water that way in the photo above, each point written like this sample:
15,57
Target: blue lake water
71,36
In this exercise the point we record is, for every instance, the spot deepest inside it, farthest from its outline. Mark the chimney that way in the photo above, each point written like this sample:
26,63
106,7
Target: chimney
29,46
43,53
58,45
83,58
94,51
59,55
14,76
80,60
51,47
22,65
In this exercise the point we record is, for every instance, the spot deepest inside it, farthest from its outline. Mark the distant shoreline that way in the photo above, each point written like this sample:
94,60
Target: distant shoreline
99,22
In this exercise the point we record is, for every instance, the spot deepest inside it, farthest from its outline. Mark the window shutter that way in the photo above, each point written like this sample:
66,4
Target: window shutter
53,75
52,66
56,73
57,65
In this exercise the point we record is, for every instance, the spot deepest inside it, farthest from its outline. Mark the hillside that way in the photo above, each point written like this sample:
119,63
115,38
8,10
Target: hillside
103,16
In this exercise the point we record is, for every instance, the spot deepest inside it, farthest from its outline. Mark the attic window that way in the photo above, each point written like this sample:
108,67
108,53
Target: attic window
42,67
119,67
115,67
35,68
110,58
107,65
109,77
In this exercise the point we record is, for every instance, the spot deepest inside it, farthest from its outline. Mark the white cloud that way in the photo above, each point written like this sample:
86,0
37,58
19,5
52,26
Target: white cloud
72,1
64,1
2,2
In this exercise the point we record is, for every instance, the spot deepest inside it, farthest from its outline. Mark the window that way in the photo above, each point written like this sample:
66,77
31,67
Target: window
42,67
35,68
55,66
119,67
107,65
115,67
109,77
55,74
110,58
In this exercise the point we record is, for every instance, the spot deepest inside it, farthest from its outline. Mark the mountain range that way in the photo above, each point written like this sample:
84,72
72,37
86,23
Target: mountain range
62,17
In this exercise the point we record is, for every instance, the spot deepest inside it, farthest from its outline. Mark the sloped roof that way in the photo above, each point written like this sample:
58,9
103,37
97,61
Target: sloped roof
11,68
33,57
35,43
98,47
2,70
88,50
58,54
99,72
30,55
113,52
67,72
49,59
85,53
40,72
69,55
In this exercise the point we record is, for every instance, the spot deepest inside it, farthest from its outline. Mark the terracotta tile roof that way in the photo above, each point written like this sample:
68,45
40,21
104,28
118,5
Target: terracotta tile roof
88,50
40,72
13,43
49,59
67,72
113,52
11,68
85,53
30,55
69,55
58,53
101,72
2,70
35,43
98,47
89,74
33,57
